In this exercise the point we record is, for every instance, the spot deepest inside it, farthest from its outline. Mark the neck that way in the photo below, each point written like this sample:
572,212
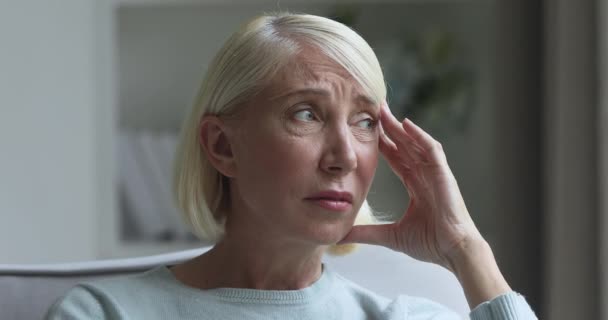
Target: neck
254,262
265,265
254,254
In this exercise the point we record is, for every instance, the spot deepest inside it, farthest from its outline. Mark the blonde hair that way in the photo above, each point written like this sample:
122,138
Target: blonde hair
243,66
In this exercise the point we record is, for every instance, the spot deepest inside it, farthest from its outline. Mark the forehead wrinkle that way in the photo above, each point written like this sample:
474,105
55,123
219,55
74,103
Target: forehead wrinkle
314,73
312,69
321,89
305,81
366,100
316,77
302,91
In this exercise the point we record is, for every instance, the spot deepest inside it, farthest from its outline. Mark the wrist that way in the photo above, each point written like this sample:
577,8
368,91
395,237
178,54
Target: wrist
476,269
472,250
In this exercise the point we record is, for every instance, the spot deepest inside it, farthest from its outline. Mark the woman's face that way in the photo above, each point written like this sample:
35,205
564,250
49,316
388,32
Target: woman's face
306,150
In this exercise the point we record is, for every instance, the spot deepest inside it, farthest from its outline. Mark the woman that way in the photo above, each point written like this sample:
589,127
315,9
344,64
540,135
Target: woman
275,163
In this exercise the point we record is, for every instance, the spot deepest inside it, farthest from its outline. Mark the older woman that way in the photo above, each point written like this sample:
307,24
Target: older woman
275,162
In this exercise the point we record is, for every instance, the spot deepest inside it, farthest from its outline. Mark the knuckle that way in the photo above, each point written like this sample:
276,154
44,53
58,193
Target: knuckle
437,146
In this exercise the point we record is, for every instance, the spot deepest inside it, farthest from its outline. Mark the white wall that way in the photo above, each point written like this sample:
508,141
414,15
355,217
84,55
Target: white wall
47,131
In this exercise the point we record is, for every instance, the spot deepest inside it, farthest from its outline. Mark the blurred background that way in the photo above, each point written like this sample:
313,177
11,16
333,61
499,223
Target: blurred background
93,93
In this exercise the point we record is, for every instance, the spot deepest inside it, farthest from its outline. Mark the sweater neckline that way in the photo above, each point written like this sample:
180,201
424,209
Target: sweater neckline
316,291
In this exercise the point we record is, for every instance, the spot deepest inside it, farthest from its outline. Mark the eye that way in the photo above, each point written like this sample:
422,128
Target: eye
305,115
367,123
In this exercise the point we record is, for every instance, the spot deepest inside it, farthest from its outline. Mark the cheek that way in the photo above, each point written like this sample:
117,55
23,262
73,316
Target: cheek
367,163
276,163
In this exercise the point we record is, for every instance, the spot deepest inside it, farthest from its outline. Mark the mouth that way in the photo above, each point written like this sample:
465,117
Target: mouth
332,200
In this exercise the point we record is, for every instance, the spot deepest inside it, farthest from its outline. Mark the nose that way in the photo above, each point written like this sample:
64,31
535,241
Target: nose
339,156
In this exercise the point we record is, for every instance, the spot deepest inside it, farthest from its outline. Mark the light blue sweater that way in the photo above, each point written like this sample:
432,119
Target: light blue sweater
157,294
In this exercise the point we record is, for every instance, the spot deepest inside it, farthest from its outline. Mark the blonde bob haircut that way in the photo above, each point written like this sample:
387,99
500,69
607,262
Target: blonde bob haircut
246,63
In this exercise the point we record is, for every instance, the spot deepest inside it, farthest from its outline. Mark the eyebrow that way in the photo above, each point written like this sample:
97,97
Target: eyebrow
321,92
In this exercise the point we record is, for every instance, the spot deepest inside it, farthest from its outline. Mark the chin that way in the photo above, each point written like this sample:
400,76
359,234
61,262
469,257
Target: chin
327,234
322,228
336,249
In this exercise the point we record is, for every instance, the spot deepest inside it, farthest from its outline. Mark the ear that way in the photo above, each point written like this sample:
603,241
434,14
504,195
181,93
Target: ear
214,139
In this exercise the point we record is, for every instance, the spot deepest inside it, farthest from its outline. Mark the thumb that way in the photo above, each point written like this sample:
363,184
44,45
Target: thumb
378,234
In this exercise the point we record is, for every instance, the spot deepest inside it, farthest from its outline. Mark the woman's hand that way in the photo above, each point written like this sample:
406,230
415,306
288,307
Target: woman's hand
436,226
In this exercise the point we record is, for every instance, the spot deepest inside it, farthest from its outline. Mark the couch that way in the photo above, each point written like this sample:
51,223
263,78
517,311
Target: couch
27,291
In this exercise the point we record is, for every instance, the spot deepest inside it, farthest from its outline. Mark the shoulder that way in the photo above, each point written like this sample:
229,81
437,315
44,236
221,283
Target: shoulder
82,302
402,307
99,299
152,281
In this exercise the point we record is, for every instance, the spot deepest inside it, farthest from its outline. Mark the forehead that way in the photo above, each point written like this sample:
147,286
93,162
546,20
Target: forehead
310,68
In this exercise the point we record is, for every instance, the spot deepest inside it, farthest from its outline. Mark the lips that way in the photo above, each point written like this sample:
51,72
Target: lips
333,196
332,200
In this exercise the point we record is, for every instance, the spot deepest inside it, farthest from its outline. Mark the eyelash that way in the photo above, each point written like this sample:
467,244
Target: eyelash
372,122
309,110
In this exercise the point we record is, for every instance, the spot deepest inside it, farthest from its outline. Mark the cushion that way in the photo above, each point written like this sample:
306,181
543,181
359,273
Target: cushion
27,291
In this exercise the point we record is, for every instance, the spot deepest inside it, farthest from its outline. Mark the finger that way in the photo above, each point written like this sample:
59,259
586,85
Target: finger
384,136
400,161
379,234
424,140
390,149
393,128
405,173
420,136
396,133
387,147
386,144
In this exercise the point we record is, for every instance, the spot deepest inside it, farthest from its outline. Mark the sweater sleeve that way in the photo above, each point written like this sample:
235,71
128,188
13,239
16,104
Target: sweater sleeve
83,302
508,306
